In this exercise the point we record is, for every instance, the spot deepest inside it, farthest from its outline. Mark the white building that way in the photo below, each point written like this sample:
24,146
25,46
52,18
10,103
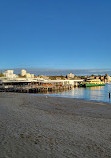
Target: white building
28,75
108,78
9,74
70,75
23,72
32,75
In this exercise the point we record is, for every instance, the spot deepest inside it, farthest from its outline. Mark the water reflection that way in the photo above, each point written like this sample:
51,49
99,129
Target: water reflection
92,93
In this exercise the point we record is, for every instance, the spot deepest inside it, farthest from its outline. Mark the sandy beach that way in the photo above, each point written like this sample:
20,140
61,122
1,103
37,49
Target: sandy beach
36,126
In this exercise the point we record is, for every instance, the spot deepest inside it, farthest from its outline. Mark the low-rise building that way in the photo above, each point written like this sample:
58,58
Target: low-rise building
70,75
28,75
9,74
102,78
23,72
108,79
97,77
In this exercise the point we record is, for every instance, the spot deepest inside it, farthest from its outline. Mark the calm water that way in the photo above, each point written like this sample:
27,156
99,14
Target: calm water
93,93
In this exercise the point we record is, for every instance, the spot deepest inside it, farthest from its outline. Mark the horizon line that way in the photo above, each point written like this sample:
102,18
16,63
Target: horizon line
55,68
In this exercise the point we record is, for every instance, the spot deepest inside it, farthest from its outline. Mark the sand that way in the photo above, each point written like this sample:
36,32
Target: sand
36,126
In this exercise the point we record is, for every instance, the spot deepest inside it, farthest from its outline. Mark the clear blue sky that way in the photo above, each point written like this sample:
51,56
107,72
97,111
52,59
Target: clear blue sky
55,34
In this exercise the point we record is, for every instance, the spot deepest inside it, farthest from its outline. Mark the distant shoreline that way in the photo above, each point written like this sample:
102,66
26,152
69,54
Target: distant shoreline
51,72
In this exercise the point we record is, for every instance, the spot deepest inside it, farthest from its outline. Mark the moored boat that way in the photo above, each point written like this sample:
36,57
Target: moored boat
92,83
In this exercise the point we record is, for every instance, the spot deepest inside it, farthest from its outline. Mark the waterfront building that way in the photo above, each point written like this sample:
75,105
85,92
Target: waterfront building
9,74
102,78
32,75
108,78
23,72
70,75
58,78
45,77
97,77
28,75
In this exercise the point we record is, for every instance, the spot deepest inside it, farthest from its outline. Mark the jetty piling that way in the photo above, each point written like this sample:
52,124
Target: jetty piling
109,94
36,89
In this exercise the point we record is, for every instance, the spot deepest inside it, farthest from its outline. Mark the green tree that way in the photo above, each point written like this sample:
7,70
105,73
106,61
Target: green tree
1,74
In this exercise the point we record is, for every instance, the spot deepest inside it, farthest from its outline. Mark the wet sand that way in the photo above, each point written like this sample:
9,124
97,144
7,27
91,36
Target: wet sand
36,126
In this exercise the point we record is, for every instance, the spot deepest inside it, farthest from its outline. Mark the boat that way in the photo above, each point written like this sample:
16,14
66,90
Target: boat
92,83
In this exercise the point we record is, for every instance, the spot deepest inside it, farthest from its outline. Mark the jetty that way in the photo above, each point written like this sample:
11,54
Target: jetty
37,86
34,89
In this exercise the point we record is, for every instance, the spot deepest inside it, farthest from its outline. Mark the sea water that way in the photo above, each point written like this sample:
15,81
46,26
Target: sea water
99,93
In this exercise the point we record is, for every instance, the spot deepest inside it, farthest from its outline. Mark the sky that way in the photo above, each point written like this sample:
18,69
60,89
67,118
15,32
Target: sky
56,34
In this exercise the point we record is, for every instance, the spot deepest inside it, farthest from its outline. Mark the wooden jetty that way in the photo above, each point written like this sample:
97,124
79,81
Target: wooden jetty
37,86
34,88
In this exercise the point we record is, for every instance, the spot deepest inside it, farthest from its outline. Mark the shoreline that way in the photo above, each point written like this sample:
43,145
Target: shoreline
79,93
61,96
46,127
